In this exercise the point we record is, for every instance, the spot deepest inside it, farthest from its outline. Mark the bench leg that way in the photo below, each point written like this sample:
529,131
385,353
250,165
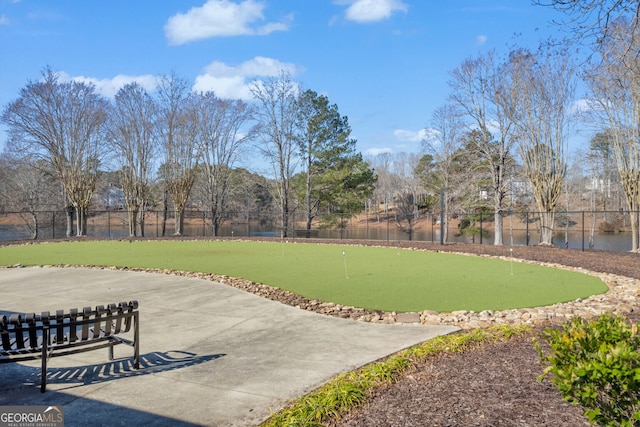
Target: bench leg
136,342
45,354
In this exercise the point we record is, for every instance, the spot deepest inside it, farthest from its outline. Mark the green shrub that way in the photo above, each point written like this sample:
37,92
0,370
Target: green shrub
596,364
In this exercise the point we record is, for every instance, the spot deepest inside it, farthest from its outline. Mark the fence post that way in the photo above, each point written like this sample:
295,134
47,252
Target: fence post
366,220
53,224
442,217
109,223
527,228
480,227
431,219
387,226
582,231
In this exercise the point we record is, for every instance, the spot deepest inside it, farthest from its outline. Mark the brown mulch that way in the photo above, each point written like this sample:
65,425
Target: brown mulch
495,384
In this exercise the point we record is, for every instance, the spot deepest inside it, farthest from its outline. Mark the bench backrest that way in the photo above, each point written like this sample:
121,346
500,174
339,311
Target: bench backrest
26,332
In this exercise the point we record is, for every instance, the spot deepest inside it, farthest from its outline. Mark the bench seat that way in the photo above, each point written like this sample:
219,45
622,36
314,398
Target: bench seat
30,336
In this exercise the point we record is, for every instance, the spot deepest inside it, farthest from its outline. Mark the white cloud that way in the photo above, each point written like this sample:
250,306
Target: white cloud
230,82
219,18
493,126
364,11
224,87
430,137
481,39
233,82
375,151
581,106
110,86
404,135
4,20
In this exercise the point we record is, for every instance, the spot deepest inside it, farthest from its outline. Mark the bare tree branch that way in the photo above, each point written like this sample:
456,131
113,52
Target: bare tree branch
61,122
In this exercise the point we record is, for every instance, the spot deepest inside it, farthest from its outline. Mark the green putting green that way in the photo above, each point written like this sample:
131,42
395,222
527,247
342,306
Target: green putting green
386,279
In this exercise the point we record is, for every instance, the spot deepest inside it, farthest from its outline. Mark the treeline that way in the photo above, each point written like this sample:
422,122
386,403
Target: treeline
503,134
498,144
500,141
174,149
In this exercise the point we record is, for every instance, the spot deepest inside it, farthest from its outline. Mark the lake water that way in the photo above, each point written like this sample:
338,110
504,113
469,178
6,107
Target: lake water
602,241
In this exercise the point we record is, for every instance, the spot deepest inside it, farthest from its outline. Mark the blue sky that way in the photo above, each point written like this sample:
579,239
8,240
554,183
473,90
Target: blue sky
384,63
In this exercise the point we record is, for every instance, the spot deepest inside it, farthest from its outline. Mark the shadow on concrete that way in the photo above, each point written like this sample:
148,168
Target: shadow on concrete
89,412
21,387
75,376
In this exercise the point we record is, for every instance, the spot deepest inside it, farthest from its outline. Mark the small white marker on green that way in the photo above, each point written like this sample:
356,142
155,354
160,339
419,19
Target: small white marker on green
344,258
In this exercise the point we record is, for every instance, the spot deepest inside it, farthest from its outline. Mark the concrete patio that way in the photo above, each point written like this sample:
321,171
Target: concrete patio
211,354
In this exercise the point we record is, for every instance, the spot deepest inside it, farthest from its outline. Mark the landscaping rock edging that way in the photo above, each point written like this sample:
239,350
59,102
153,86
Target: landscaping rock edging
621,298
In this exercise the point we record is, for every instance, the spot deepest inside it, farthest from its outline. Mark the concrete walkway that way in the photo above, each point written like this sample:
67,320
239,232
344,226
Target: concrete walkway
210,354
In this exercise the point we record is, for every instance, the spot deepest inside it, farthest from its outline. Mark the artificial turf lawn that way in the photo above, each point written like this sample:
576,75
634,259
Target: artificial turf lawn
386,279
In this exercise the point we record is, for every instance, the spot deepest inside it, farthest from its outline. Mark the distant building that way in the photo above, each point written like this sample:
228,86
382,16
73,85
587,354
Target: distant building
114,198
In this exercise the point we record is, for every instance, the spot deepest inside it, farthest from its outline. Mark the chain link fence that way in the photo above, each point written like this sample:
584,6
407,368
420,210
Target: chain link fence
604,230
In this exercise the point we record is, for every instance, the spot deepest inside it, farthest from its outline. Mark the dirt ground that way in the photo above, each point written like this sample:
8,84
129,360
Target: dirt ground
493,385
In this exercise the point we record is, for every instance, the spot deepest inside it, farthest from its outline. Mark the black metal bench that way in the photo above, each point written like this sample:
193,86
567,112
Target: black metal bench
31,336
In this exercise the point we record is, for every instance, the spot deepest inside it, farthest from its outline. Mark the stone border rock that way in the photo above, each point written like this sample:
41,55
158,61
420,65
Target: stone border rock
622,298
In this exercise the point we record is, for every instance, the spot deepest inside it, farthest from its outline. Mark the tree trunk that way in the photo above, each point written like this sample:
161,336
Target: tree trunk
445,222
498,239
547,220
34,229
133,220
79,229
165,213
179,221
142,219
630,181
307,197
81,218
635,230
592,230
498,200
70,213
284,205
308,227
215,222
285,223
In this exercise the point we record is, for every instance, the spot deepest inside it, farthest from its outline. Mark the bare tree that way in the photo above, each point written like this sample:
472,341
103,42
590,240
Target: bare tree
407,193
61,122
386,184
592,19
276,113
545,87
179,142
593,161
27,188
479,89
604,175
132,135
615,86
224,128
446,132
